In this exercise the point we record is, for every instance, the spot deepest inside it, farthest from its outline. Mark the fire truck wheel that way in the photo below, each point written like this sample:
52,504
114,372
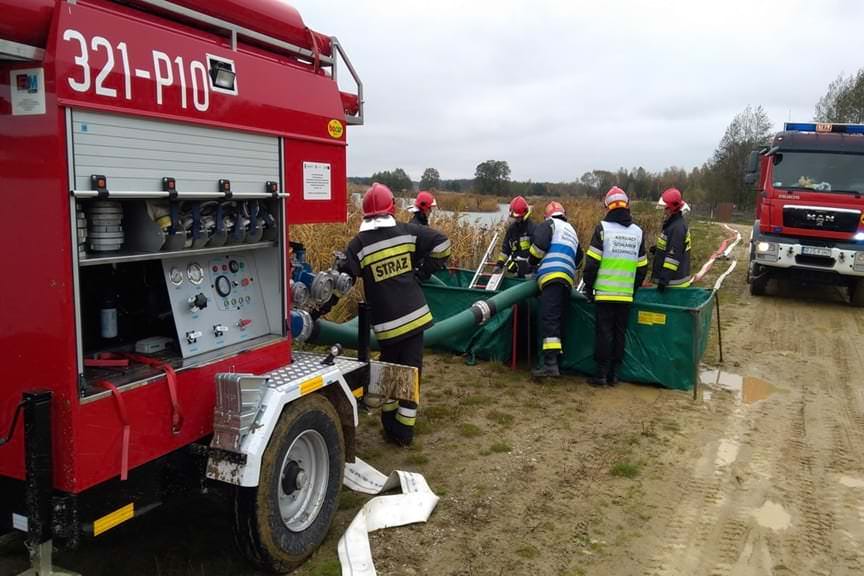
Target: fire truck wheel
285,518
856,292
758,280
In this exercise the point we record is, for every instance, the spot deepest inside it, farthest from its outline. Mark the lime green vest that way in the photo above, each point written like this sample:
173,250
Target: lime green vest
617,274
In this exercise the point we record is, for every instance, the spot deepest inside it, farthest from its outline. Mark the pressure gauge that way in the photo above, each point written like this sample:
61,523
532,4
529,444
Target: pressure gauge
175,276
223,286
195,273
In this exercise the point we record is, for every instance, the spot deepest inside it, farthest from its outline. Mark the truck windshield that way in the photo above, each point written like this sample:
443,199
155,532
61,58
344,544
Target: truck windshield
819,171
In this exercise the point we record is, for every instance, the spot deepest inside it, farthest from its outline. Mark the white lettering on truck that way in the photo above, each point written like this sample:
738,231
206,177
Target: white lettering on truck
163,72
163,80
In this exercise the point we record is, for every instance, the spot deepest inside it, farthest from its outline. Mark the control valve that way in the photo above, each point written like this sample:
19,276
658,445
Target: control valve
197,302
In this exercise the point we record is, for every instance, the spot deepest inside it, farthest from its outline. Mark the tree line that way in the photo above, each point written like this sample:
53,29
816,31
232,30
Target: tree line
719,179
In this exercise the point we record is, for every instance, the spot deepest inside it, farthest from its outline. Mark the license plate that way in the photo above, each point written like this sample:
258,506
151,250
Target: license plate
816,251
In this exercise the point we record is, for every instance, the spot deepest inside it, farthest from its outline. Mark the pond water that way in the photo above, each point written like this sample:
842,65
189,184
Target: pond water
484,219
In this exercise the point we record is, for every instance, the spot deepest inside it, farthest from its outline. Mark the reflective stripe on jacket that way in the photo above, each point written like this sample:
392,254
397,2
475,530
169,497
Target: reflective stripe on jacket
672,254
517,241
561,258
619,260
386,259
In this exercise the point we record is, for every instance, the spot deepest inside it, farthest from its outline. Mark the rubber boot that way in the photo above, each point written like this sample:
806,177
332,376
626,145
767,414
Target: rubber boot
599,380
612,376
388,417
401,435
549,367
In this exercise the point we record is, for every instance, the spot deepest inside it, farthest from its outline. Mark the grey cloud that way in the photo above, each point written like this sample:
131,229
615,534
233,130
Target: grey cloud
558,88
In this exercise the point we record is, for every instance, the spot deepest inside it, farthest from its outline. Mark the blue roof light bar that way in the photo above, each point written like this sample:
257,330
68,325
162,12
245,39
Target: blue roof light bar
824,127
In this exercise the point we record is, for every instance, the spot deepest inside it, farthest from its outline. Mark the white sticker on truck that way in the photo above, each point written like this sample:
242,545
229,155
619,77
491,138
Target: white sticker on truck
20,522
28,91
316,181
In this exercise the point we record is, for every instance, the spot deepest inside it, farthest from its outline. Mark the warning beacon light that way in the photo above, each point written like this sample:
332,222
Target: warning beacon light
824,127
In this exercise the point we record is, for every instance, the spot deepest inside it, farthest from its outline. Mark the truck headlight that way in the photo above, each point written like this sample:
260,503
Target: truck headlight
858,265
767,250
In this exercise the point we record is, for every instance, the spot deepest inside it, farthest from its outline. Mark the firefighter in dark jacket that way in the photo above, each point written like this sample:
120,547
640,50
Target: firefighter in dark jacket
672,252
517,240
385,254
615,267
422,208
555,247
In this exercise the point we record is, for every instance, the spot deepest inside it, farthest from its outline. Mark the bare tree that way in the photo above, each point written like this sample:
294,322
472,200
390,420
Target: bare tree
843,101
749,130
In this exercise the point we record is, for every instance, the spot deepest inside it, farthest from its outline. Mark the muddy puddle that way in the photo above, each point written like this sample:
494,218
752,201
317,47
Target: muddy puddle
772,515
746,389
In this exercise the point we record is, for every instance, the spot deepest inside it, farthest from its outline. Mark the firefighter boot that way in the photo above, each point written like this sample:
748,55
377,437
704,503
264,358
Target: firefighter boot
612,376
600,379
549,367
402,431
388,417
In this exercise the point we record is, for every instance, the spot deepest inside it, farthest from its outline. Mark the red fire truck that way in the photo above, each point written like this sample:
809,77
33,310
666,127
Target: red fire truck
152,153
810,208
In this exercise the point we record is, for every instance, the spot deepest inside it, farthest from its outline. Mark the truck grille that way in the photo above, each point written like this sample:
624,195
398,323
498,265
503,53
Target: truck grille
820,219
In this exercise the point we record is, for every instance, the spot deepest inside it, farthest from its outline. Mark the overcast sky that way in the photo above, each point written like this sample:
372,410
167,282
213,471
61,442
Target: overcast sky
557,88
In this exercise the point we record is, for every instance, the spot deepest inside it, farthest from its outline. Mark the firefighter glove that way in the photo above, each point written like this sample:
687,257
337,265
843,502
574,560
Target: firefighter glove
512,266
340,260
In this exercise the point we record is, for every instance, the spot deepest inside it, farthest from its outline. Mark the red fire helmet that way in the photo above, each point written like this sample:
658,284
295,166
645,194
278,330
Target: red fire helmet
554,209
424,202
671,200
519,208
378,201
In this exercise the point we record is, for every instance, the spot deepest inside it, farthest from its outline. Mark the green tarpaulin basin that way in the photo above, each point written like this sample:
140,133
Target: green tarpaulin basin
666,338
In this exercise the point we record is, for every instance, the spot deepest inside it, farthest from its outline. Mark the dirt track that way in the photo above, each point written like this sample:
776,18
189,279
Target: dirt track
763,475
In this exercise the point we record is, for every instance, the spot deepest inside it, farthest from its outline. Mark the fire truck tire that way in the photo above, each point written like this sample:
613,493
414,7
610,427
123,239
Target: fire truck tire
758,280
856,292
283,520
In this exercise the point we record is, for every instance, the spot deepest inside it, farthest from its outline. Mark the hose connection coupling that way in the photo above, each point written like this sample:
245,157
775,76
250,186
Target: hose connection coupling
483,310
301,325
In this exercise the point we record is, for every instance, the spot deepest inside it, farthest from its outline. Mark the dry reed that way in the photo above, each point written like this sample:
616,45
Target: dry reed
459,202
469,241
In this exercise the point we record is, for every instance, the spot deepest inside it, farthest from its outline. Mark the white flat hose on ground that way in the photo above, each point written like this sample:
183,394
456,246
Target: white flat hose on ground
731,247
719,283
414,505
725,250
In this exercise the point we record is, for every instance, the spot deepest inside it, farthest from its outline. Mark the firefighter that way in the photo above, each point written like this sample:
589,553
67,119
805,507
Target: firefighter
615,267
555,247
385,254
423,205
672,252
517,240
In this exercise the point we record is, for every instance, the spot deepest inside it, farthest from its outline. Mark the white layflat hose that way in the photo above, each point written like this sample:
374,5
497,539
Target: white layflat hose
731,247
719,283
726,252
415,504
